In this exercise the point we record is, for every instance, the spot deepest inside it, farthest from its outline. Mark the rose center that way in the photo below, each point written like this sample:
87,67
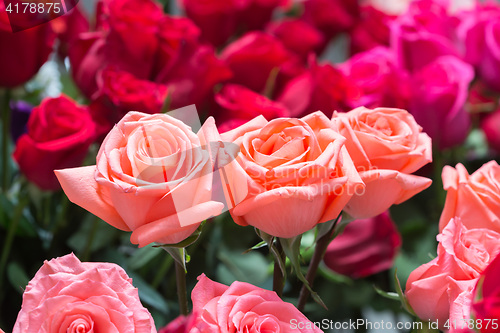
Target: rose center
80,325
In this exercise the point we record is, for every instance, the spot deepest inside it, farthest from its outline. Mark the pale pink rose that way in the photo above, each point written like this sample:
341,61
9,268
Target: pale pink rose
153,177
386,146
242,308
474,198
67,295
442,289
290,174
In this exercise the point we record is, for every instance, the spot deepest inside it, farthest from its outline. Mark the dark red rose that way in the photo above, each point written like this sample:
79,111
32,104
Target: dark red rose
486,301
23,52
120,92
181,324
491,128
298,36
371,30
322,87
252,58
192,78
365,247
380,82
331,16
217,19
68,27
58,137
259,12
239,104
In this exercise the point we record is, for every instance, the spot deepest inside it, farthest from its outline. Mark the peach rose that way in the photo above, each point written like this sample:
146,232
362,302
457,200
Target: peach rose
153,177
243,308
290,174
386,146
67,295
474,198
443,288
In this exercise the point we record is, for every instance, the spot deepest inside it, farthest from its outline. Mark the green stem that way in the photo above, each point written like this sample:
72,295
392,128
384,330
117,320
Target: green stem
319,253
5,140
180,278
278,275
16,218
90,239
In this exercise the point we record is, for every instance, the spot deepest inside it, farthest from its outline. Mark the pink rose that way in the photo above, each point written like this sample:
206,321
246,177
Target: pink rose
67,295
439,93
365,247
290,174
379,81
386,146
442,289
153,177
473,198
242,307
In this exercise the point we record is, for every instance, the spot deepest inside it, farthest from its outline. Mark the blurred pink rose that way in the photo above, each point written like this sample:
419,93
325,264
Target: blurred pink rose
380,82
153,177
442,289
290,174
67,295
473,198
386,146
242,307
181,324
365,247
439,92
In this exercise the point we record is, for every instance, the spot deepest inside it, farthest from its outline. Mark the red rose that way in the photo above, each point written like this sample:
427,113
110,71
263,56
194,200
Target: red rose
68,27
365,247
331,16
240,104
491,127
259,12
59,135
217,19
298,36
371,30
181,324
322,87
486,302
23,52
253,57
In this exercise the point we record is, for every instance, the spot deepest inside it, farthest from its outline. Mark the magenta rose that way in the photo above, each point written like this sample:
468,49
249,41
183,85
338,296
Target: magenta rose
67,295
242,307
439,93
365,247
380,82
239,105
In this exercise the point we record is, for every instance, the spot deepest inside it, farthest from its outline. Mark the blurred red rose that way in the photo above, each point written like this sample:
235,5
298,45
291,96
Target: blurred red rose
371,30
253,57
217,19
439,93
486,302
23,52
365,247
259,12
298,36
322,87
491,127
331,16
68,27
380,82
181,324
239,105
59,135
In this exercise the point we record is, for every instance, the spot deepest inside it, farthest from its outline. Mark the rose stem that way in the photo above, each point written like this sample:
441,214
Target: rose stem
278,275
180,278
5,139
319,253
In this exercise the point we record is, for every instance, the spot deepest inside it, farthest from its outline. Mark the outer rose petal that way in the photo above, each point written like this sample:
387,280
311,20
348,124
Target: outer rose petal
383,189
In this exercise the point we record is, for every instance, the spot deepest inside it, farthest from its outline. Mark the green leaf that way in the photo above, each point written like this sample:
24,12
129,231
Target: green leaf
148,295
387,294
291,246
250,267
404,302
274,251
17,277
143,256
